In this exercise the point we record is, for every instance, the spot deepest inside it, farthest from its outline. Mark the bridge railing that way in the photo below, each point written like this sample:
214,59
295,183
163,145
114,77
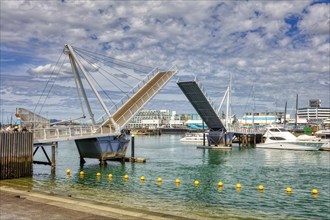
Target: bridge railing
246,130
65,132
114,108
207,96
143,99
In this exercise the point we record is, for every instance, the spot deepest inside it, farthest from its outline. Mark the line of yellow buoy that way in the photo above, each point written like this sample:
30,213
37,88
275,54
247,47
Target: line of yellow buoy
196,182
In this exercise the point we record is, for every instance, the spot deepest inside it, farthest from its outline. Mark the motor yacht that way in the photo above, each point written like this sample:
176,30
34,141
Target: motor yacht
282,139
323,136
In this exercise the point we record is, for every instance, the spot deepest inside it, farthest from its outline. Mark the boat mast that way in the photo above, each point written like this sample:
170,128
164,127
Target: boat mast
253,109
284,120
296,118
228,103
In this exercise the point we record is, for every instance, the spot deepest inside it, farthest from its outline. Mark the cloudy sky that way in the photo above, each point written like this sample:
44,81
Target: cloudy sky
272,49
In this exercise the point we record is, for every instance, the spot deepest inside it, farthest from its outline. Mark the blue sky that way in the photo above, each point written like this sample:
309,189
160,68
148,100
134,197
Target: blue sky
275,48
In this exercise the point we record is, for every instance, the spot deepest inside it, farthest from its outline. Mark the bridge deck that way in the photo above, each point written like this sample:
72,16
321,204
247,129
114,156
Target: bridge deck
66,133
135,103
201,104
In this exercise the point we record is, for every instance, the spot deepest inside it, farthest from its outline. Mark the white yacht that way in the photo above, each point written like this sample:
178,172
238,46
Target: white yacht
282,139
193,137
323,136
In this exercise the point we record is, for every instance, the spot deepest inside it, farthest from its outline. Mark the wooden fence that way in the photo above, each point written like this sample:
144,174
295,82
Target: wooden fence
16,150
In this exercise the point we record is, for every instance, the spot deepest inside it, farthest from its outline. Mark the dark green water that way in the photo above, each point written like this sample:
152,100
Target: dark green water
169,159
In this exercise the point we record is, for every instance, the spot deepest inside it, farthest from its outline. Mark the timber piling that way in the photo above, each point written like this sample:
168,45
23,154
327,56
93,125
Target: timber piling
16,149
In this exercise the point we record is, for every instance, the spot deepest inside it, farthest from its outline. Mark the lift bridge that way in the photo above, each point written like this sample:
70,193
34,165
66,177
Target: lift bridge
218,132
104,138
197,96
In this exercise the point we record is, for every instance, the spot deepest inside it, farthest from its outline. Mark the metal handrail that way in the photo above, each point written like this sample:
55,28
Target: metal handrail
128,95
66,132
147,93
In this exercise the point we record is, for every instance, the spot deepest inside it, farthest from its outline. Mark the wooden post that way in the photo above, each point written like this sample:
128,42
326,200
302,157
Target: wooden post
16,154
203,138
225,138
132,147
203,133
53,159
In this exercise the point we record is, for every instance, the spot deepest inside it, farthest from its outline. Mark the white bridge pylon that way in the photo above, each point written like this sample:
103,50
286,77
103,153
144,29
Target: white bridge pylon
130,105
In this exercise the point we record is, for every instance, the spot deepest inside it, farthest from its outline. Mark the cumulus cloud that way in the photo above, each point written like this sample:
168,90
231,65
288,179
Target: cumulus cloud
277,47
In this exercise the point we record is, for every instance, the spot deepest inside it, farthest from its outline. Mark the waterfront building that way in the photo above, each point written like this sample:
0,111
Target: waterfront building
194,121
153,119
263,118
313,115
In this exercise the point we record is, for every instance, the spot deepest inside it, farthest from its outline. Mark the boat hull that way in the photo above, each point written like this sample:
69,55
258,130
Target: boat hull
103,148
291,146
194,137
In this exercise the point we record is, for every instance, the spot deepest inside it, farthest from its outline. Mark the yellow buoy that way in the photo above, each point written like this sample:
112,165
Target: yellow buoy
142,178
196,182
110,175
220,184
68,171
159,179
177,181
261,187
238,185
126,177
288,189
98,174
82,173
314,191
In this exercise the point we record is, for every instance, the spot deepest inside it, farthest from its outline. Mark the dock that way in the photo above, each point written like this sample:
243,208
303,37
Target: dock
215,147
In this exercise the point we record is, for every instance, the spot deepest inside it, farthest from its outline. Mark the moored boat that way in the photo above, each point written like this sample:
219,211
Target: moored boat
281,139
324,137
193,137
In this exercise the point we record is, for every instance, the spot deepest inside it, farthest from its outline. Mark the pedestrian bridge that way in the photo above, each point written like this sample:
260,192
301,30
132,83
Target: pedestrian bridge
124,111
202,104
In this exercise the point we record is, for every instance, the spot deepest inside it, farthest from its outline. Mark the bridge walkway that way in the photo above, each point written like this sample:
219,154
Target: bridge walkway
202,104
136,102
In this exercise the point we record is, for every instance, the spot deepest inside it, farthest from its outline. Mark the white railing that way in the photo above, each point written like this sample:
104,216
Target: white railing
246,130
201,87
114,108
66,132
122,101
145,97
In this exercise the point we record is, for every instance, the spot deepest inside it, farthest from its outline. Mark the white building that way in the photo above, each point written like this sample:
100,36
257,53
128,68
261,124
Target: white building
313,115
153,119
263,118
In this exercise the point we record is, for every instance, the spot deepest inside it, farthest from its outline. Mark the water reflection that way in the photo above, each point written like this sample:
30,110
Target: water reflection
169,159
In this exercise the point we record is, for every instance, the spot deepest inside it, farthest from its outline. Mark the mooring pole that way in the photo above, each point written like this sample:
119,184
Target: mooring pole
203,133
53,158
225,138
132,147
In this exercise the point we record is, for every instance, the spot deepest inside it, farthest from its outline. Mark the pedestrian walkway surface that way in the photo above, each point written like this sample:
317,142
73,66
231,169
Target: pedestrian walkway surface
19,204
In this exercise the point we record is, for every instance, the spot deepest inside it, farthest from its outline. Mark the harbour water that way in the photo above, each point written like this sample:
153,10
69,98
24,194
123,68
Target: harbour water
169,159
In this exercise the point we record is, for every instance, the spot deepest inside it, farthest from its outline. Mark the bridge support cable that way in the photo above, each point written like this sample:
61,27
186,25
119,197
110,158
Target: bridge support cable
81,86
74,59
141,97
